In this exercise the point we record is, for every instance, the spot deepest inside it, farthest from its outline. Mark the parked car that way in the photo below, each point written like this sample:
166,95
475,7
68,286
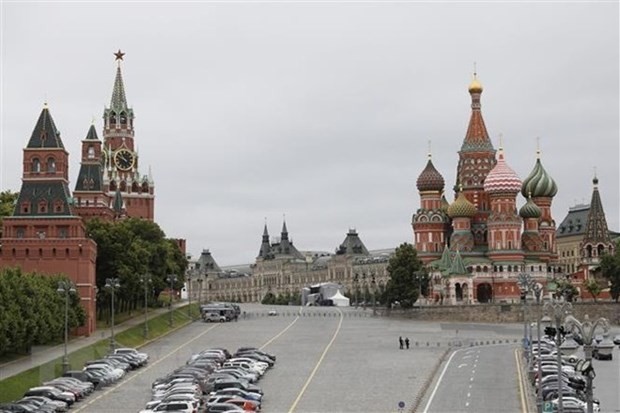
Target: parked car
214,318
273,312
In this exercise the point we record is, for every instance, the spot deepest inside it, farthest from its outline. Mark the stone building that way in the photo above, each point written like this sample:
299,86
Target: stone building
583,237
476,247
281,269
46,233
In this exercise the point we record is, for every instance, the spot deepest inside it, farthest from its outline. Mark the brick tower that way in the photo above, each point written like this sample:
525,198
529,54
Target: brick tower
45,234
120,158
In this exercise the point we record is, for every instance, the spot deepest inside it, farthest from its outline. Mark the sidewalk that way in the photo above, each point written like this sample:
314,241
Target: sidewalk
43,354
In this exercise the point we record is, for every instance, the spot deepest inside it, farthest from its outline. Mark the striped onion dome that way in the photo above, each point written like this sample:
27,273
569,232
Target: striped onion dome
430,179
539,183
530,210
461,207
502,178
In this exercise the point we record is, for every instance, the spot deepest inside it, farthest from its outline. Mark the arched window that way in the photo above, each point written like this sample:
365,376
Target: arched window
91,152
51,164
112,118
123,118
123,186
36,165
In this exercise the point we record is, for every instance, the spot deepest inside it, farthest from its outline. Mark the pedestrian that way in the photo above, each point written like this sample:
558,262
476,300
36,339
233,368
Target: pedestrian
407,342
400,341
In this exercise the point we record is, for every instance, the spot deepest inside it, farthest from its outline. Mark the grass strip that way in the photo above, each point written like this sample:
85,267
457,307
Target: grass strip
13,388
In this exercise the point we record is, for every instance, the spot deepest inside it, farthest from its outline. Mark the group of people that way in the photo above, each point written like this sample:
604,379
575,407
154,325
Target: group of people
404,342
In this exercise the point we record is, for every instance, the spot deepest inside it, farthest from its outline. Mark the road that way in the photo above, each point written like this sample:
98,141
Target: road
477,379
332,360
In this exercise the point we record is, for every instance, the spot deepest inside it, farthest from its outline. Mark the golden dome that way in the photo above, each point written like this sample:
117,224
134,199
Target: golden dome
475,86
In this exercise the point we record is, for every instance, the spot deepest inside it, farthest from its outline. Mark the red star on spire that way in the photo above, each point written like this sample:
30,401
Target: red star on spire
119,55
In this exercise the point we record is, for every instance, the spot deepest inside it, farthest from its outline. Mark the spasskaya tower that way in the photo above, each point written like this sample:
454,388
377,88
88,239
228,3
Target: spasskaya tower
120,159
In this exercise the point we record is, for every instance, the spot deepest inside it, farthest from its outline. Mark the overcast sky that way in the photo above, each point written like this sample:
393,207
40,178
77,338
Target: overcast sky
319,111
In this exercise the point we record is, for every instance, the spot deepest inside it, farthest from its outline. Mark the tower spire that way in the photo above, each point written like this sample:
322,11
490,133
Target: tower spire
118,101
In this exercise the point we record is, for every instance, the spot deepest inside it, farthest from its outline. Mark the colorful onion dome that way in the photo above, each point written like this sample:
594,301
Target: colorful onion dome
475,86
502,178
430,179
539,183
530,210
461,207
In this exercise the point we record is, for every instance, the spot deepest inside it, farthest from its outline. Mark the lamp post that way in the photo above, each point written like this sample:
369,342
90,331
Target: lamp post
199,281
373,285
355,287
66,287
558,312
112,284
146,280
587,329
524,282
539,401
171,278
189,294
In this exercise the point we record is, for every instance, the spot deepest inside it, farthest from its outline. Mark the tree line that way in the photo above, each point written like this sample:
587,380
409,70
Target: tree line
32,311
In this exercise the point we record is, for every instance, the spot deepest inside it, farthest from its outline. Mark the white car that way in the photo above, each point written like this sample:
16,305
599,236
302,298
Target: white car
272,312
141,356
573,403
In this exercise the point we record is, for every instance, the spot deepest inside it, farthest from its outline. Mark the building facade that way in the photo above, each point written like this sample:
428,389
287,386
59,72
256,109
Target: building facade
476,247
46,233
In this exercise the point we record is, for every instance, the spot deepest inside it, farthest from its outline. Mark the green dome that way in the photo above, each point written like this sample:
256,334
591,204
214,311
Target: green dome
539,183
461,208
530,210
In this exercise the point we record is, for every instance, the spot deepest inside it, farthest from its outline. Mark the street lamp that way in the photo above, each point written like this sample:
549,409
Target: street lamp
356,281
373,285
171,278
146,280
558,312
112,284
539,401
587,329
524,281
66,287
199,281
189,293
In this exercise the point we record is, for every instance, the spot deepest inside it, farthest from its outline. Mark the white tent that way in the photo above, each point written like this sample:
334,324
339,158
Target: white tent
339,300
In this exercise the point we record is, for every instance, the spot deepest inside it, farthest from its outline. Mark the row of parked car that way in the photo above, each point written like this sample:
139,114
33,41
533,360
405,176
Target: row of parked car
59,394
547,381
213,381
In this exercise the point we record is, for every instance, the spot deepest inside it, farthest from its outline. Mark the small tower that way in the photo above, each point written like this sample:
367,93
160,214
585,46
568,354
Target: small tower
542,188
45,235
91,201
265,248
430,222
531,242
120,155
476,159
461,211
596,240
504,225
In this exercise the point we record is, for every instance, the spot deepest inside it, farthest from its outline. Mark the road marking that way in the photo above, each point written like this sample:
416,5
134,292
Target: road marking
462,365
432,396
472,379
521,390
280,333
467,404
125,380
318,364
468,395
466,357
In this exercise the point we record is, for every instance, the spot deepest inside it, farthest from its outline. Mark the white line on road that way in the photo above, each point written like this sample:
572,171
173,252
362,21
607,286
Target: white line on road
318,364
430,399
462,365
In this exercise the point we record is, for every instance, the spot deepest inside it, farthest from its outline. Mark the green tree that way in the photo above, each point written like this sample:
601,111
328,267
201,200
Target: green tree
567,290
7,205
610,269
269,298
593,287
128,249
404,284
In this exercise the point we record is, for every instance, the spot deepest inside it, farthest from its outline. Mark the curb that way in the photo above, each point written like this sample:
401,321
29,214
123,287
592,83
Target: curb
422,392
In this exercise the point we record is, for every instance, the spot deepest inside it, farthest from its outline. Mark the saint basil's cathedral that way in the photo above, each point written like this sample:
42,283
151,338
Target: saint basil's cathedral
476,247
47,233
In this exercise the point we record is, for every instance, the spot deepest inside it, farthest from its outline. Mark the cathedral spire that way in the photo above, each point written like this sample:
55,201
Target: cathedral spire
284,234
477,137
596,228
45,134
